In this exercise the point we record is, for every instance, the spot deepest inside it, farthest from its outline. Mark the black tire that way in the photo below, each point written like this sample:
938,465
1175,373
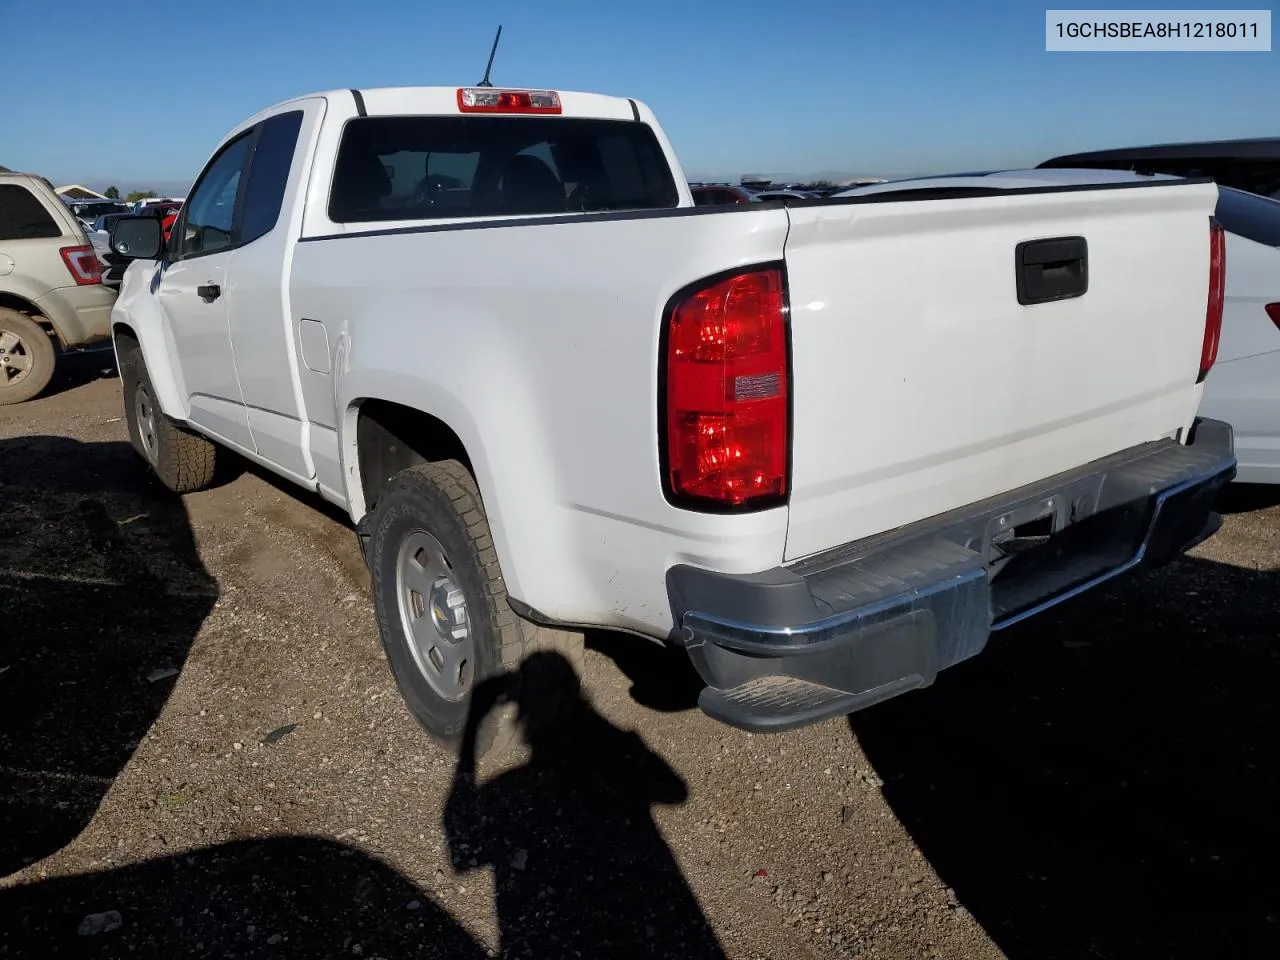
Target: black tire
23,342
184,461
442,500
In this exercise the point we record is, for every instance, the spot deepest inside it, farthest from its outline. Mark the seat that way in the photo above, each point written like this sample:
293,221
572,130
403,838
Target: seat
529,186
359,185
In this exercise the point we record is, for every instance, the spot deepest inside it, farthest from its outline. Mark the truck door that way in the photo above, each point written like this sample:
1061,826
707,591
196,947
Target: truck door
191,291
258,311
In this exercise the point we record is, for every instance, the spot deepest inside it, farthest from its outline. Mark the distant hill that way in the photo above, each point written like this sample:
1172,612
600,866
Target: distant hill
163,188
5,170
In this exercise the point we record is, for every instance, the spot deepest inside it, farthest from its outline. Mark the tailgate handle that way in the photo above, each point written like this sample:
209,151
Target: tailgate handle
1052,269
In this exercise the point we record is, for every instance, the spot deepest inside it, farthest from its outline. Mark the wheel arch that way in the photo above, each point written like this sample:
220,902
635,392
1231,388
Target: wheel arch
390,437
24,305
147,332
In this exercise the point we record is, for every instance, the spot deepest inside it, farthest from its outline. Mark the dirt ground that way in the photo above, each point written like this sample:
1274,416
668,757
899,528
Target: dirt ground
202,754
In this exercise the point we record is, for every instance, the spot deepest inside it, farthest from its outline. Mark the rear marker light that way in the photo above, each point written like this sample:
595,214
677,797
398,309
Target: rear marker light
1273,311
489,100
82,262
727,406
1217,291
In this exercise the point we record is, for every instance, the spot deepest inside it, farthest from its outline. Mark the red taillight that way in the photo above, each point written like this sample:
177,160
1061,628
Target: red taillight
83,264
727,392
489,100
1273,311
1217,292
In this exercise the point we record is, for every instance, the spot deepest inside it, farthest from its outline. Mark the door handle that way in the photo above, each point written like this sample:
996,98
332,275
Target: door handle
1052,269
209,292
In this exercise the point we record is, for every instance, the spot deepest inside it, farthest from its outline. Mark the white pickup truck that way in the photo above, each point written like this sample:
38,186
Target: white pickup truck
826,446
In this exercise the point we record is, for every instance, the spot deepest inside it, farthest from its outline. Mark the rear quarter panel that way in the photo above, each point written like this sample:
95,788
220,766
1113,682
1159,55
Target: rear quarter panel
538,345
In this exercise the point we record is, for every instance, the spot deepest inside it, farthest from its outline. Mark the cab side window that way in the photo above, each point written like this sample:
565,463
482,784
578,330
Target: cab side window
209,217
269,174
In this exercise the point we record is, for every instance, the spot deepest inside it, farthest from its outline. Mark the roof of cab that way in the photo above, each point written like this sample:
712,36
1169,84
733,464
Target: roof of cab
418,101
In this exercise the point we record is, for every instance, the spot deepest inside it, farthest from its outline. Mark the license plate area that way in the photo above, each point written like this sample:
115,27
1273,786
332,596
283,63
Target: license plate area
1031,572
1035,524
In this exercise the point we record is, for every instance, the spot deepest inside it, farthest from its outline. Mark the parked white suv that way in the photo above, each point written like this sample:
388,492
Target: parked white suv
826,446
51,292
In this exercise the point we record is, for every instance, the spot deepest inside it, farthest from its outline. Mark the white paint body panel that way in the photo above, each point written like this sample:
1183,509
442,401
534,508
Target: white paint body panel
1244,387
922,385
260,324
538,345
919,384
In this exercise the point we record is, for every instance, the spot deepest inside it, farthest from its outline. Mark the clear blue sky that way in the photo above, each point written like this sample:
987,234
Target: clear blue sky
894,88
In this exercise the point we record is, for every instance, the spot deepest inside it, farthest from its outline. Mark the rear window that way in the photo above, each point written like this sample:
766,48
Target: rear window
1247,215
23,216
425,168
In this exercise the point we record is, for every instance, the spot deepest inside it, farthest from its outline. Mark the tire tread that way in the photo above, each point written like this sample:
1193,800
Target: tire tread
187,462
517,638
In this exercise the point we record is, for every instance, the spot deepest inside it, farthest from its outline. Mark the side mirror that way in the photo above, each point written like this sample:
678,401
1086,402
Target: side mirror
389,170
138,238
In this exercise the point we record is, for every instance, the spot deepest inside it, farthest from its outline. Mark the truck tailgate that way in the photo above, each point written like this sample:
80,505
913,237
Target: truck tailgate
922,384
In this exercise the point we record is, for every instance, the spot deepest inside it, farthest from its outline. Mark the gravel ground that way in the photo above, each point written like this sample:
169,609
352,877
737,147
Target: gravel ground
202,754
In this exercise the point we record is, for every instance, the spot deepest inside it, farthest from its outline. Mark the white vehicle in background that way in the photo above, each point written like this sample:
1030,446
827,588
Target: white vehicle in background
141,206
1244,387
824,446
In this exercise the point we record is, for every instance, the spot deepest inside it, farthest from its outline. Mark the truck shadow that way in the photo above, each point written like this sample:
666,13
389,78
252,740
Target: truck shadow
662,677
102,594
1247,497
1104,780
290,897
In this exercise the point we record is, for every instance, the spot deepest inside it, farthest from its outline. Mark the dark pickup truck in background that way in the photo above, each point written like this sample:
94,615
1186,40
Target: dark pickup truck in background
1250,165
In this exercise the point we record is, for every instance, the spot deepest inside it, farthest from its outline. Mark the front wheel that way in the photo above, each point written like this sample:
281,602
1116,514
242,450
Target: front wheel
442,606
184,461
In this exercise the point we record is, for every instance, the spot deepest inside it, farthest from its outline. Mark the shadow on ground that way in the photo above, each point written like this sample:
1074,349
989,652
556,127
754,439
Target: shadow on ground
103,595
75,368
288,897
1104,781
1247,497
580,868
662,677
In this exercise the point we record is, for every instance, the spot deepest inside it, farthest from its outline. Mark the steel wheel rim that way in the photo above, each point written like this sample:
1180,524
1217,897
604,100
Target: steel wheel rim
434,615
144,415
16,360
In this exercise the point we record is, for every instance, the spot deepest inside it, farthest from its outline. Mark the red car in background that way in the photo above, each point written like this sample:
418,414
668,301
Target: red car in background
113,265
167,223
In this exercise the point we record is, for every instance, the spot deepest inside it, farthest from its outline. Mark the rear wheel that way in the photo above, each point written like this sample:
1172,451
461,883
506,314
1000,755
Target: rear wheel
184,461
27,357
442,606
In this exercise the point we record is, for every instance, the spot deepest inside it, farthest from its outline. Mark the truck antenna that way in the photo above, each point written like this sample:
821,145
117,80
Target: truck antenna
485,82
